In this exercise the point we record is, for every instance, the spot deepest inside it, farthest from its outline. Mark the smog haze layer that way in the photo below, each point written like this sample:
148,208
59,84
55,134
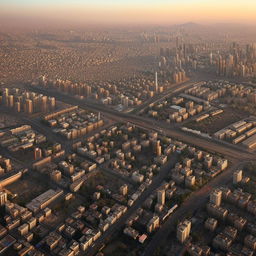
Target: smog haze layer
140,12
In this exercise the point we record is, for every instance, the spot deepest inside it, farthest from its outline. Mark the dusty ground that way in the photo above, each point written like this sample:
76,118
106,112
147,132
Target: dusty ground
7,120
216,123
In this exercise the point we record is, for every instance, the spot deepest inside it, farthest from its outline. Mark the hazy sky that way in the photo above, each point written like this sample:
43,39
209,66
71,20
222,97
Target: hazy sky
133,11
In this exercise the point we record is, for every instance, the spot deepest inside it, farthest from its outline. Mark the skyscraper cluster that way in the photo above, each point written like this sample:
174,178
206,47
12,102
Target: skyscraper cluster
67,86
173,61
238,61
26,101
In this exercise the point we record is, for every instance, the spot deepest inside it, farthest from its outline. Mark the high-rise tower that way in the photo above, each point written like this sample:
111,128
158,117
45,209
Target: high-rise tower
156,82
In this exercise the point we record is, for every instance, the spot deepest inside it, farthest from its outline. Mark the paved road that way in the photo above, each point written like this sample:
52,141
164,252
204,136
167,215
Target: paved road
108,235
175,88
168,129
210,145
195,200
36,125
191,204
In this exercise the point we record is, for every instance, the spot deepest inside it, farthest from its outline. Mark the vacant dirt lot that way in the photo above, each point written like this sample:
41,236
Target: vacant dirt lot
213,124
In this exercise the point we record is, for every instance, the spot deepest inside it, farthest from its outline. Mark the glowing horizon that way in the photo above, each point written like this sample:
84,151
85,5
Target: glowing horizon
140,11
